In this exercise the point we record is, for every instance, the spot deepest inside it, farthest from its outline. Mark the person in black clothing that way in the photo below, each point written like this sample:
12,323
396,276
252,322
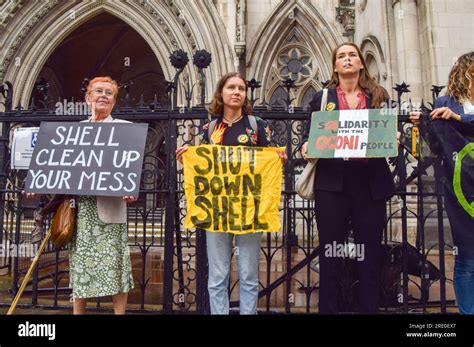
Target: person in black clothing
350,191
235,126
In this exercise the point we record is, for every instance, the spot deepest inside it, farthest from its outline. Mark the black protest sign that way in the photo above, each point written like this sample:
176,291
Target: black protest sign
87,159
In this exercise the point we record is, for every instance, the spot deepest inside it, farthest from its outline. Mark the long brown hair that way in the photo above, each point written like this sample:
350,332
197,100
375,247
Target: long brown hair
461,78
367,83
217,104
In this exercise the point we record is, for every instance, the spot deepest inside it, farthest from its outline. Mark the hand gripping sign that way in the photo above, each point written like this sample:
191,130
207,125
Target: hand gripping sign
87,159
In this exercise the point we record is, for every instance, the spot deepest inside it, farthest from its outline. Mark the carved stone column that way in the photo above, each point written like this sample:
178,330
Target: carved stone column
408,45
240,35
345,14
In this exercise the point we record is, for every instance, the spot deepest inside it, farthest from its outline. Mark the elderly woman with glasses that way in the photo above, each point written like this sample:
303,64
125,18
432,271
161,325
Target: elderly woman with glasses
99,259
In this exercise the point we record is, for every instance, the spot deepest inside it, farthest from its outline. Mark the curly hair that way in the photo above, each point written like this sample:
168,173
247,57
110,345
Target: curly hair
461,78
367,83
217,104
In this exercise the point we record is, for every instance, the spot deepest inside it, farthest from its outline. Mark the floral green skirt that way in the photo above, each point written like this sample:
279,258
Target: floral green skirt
99,258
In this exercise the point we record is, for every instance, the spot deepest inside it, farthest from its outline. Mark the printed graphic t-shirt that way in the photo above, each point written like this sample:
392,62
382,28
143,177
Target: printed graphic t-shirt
240,133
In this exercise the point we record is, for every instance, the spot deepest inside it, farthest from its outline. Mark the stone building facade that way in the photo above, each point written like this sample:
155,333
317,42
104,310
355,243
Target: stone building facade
415,41
58,43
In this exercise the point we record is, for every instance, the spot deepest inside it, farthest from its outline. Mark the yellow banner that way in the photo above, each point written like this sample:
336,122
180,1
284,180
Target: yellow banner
234,189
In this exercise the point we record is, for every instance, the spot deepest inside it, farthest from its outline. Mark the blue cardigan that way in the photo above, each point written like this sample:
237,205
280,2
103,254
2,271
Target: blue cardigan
448,101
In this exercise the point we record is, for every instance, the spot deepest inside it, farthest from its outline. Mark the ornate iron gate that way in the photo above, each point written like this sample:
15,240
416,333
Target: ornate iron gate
162,247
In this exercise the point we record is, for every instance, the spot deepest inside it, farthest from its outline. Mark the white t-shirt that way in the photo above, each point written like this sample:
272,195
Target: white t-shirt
468,107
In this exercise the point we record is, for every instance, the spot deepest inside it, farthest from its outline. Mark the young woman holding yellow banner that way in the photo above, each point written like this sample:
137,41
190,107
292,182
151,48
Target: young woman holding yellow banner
235,126
350,191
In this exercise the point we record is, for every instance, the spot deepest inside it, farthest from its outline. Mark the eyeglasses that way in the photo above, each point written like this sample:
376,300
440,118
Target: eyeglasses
108,92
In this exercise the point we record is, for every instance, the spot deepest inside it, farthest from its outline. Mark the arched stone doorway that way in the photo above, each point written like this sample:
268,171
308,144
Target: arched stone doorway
103,46
164,25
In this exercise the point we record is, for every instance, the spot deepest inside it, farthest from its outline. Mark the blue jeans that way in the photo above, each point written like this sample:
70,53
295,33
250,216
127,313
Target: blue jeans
464,283
219,251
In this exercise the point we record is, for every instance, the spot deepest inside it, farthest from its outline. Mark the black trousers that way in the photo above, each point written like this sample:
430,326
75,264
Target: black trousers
334,211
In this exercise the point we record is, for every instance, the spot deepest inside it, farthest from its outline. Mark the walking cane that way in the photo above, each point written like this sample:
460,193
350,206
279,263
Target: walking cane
29,273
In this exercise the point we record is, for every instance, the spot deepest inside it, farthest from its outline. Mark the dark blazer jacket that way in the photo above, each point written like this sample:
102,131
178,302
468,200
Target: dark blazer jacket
330,172
448,101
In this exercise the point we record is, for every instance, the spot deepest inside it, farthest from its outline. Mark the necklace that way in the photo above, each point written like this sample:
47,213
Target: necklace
230,122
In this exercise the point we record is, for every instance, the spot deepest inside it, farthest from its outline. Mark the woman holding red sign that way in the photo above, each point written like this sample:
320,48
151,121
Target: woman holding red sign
352,191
